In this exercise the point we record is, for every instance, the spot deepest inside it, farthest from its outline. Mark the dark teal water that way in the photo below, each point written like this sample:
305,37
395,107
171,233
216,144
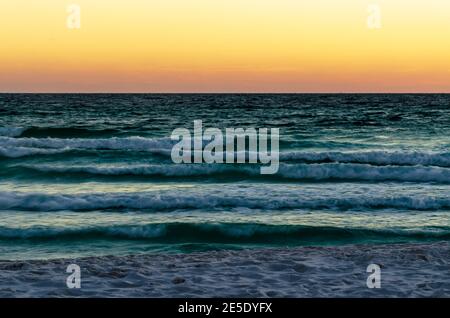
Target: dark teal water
92,175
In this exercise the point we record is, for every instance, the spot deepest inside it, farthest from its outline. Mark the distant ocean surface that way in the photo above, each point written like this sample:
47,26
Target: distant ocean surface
90,175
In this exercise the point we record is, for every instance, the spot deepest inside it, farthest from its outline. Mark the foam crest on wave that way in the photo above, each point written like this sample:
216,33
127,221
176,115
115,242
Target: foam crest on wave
424,158
16,147
12,131
113,143
18,152
328,171
373,157
151,201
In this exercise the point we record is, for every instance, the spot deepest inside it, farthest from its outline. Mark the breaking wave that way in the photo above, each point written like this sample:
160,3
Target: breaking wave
114,143
314,172
11,131
372,157
222,233
151,201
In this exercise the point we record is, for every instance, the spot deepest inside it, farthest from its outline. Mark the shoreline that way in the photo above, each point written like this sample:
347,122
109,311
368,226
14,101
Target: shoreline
407,270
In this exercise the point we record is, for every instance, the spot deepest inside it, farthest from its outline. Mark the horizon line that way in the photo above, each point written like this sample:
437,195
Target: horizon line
231,93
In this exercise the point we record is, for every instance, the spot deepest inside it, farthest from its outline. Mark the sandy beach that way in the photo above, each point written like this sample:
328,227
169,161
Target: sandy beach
407,270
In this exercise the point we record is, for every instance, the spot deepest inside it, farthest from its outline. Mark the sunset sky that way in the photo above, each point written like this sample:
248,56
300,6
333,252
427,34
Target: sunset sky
225,46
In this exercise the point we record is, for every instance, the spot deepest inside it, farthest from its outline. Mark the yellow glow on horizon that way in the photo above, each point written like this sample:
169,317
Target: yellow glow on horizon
225,46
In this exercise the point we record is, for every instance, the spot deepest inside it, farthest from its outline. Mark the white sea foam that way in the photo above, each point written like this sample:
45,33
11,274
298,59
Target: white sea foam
16,147
11,131
374,157
366,172
114,143
18,152
171,170
158,201
327,171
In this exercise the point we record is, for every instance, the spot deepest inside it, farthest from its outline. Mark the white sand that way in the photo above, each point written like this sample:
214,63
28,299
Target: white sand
408,270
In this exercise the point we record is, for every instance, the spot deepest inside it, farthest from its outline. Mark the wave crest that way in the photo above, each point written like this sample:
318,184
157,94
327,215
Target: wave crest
151,201
221,233
12,131
114,143
317,172
373,157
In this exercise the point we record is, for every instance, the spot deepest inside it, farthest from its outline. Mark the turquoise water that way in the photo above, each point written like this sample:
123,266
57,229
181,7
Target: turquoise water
85,175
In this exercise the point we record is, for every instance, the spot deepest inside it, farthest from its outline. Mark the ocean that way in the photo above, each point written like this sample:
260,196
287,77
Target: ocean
91,174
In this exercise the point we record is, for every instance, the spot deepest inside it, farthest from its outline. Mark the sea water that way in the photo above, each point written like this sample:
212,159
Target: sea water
91,174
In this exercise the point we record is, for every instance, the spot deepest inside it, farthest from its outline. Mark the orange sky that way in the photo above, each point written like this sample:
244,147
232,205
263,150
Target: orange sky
225,46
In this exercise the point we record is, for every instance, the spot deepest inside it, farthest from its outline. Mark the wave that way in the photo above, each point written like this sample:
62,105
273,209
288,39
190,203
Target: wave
221,233
314,172
372,157
18,152
11,131
163,146
156,201
398,158
113,143
16,147
365,172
